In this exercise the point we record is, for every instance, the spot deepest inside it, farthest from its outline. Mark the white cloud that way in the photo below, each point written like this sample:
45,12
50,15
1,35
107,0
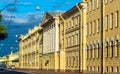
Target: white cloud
23,19
20,21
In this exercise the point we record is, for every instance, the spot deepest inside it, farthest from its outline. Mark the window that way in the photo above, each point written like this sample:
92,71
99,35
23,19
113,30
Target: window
106,1
66,42
75,21
69,61
93,51
72,23
111,0
111,49
107,47
90,28
90,51
106,22
106,68
117,69
116,48
97,51
75,39
93,4
78,19
98,3
87,51
117,18
77,61
98,68
93,27
72,40
69,25
66,25
111,20
111,69
90,5
98,25
87,29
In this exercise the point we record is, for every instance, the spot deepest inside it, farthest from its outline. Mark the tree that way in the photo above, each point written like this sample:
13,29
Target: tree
3,33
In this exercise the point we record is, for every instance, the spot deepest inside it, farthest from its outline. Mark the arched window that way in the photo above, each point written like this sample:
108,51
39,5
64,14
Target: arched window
111,49
87,51
97,52
93,51
116,48
90,51
107,49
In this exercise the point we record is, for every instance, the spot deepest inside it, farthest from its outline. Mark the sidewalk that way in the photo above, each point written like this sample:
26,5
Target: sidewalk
45,72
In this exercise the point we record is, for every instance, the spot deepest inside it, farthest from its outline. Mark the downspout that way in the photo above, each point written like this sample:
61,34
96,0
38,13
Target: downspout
80,41
64,37
102,37
83,11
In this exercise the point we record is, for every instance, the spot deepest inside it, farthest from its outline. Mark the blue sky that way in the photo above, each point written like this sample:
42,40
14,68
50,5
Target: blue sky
23,15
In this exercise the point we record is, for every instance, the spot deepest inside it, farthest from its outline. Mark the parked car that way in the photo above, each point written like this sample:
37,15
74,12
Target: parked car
2,66
13,67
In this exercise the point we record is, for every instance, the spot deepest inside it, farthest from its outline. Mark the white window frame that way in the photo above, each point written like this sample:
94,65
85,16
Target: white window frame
111,21
111,0
106,1
106,22
117,19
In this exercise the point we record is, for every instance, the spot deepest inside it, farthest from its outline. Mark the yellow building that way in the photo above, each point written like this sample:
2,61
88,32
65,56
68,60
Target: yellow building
51,56
69,40
103,36
13,59
84,38
72,36
30,48
3,59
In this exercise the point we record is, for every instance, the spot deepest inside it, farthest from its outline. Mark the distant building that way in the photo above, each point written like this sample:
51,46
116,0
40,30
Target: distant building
3,59
30,48
13,59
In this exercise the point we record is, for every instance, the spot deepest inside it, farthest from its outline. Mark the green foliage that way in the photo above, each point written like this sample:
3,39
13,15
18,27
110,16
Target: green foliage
0,16
3,33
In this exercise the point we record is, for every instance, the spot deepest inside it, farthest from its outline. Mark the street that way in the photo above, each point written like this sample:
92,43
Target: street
11,72
31,71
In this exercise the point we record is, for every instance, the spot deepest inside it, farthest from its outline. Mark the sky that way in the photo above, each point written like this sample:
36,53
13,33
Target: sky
23,15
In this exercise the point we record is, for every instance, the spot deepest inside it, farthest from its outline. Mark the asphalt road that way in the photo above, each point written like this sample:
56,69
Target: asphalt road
11,72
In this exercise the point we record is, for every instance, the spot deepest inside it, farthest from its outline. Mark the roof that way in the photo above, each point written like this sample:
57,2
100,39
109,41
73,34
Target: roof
54,14
49,16
15,60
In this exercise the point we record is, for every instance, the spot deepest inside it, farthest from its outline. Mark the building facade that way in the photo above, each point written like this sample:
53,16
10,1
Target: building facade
103,36
30,48
51,55
84,38
69,38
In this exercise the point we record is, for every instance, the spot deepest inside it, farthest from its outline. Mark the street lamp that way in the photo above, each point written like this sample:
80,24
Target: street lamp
37,7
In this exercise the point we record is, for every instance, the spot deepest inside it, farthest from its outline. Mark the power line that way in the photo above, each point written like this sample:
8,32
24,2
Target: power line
9,5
